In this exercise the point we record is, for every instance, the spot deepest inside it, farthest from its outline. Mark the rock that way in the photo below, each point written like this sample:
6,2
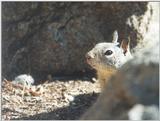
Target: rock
70,98
42,38
141,112
24,79
137,82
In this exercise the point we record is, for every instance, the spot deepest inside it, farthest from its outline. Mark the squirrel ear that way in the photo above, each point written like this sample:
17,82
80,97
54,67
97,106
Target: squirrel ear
115,37
125,46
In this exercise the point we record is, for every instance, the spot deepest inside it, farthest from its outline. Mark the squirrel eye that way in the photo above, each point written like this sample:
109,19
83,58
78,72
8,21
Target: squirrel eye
108,52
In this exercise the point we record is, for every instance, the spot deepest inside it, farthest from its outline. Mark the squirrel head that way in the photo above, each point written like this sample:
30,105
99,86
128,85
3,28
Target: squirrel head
109,54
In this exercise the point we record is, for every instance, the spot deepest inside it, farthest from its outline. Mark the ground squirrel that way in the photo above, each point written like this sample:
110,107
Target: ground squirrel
133,92
107,57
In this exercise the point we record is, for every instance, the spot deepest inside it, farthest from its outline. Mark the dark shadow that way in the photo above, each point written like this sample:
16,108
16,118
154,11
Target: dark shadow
87,75
72,112
66,79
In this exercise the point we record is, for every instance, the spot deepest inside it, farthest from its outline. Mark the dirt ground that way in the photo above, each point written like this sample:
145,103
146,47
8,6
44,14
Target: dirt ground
56,99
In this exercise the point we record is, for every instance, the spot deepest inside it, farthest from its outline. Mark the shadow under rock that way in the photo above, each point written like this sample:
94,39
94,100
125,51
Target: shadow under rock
74,111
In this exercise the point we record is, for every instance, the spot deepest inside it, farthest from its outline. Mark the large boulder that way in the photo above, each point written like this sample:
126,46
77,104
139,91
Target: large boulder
42,38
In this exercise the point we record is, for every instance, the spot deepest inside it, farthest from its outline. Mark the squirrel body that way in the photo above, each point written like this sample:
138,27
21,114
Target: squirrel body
108,57
104,75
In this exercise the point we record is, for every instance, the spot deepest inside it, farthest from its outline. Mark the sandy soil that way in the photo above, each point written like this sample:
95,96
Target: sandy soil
56,99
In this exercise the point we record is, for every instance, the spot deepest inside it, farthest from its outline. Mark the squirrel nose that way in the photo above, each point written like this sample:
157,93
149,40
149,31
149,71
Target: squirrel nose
88,57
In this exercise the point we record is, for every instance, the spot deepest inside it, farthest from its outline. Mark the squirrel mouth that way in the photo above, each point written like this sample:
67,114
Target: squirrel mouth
89,62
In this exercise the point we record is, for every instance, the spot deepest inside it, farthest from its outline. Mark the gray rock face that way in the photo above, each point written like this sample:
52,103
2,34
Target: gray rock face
141,112
52,38
137,82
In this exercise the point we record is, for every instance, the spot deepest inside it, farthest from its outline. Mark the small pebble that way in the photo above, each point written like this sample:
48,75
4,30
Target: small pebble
94,79
69,97
24,79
